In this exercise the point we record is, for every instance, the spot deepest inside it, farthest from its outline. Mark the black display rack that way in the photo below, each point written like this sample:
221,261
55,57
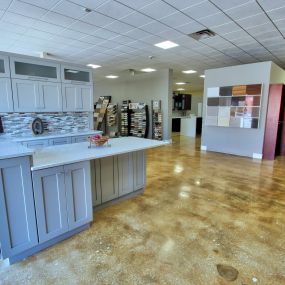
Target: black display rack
139,124
125,118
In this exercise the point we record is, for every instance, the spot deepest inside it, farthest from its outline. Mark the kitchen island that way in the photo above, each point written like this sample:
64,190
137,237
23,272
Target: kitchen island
49,196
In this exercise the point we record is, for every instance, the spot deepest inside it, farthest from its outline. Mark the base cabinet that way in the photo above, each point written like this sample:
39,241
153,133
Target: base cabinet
18,230
62,199
117,176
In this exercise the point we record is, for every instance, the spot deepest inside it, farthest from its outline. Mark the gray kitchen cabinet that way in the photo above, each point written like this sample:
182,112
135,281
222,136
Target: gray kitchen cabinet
6,97
126,173
108,171
36,96
79,139
18,230
77,98
50,202
78,194
34,69
4,66
139,170
60,141
62,199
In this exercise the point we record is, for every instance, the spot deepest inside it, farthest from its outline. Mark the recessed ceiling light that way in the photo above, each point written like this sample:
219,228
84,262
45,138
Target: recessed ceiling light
94,65
189,71
166,45
148,70
72,71
180,89
202,76
112,76
180,83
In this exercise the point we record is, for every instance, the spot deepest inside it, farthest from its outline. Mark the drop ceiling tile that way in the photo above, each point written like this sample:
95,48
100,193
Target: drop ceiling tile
124,49
137,34
4,4
138,45
154,27
280,24
91,4
258,19
152,40
42,3
270,5
28,10
81,44
191,27
228,4
243,11
200,10
261,29
215,20
13,28
277,14
170,34
175,19
104,34
235,35
69,9
119,27
97,19
71,34
83,27
47,27
158,9
267,35
114,9
92,40
226,28
136,19
122,39
58,19
38,34
182,4
108,44
136,4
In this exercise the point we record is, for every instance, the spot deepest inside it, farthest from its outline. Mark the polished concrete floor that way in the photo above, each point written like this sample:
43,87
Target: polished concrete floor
205,219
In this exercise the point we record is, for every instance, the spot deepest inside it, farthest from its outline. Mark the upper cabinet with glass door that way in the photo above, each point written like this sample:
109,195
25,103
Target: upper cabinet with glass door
4,66
34,69
76,75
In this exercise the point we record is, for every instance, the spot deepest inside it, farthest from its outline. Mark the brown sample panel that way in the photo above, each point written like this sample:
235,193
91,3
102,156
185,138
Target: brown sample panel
239,90
213,101
225,101
253,89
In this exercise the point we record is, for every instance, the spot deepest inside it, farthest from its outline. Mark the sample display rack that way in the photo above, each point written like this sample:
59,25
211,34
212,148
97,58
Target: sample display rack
156,120
139,120
112,114
125,118
100,111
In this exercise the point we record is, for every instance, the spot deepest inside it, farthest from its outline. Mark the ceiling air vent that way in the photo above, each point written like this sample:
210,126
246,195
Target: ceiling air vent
201,35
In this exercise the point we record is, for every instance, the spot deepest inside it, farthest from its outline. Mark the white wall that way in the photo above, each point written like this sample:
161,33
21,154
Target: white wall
197,97
237,141
277,74
141,88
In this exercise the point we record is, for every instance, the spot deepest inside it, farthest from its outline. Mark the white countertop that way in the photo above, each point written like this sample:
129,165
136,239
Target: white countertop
45,137
71,153
10,150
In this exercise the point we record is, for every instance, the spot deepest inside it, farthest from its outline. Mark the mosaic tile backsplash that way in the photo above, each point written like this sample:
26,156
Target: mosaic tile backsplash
19,124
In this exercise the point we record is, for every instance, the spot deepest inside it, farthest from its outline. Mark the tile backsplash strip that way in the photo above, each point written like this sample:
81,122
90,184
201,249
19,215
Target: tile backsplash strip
19,124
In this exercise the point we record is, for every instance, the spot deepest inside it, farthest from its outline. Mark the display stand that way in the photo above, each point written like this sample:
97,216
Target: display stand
139,120
100,112
125,118
156,120
112,114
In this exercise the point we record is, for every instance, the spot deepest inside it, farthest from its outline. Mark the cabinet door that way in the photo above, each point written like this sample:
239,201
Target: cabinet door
50,202
78,194
4,66
25,95
109,187
36,144
125,169
84,98
18,231
96,183
50,99
77,98
76,75
139,170
6,95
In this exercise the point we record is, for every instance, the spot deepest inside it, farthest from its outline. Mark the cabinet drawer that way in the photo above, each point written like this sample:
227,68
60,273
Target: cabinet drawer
79,139
59,141
36,144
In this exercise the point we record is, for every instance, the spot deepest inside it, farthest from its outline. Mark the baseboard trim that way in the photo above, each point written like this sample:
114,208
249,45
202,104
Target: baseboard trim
257,155
204,147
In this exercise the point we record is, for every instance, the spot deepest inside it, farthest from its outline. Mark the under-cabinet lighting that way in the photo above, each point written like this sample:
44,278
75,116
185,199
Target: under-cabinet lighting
180,83
180,89
112,76
72,71
166,45
202,76
189,71
94,65
148,70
